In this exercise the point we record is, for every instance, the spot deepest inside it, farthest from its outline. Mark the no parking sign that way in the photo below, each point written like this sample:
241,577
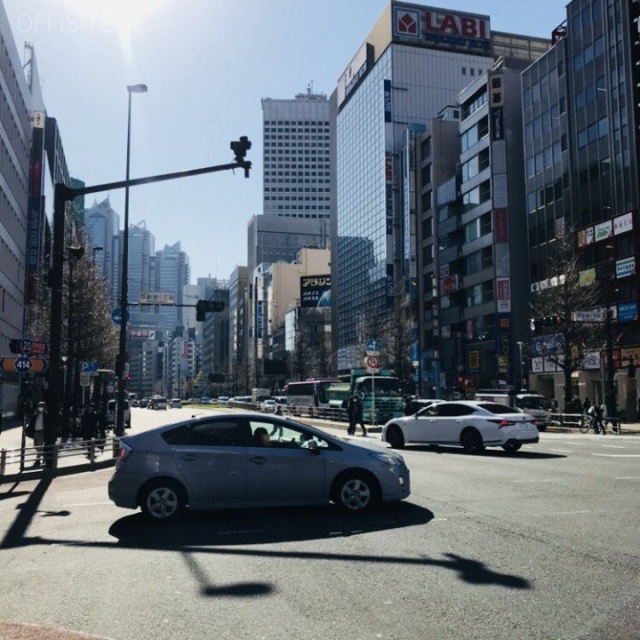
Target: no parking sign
372,363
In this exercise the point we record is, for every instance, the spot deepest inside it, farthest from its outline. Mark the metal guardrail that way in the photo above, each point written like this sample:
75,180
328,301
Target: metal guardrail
14,461
579,420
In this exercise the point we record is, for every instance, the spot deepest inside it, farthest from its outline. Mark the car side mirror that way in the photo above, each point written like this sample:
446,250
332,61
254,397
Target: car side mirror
313,447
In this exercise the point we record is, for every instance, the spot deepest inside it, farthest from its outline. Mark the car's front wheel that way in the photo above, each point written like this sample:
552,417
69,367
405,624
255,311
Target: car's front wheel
164,500
472,441
356,492
511,447
395,436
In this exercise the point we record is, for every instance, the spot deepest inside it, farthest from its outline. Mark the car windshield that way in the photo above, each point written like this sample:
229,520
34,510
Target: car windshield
534,402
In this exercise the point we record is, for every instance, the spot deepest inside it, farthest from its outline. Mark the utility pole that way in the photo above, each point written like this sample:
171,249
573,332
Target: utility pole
62,195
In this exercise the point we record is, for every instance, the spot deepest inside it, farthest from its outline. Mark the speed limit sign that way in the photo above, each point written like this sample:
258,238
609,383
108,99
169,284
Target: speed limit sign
372,362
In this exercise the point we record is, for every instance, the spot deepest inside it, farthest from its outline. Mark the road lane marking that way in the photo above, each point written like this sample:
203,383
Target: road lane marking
617,455
569,513
87,504
560,450
627,478
536,480
613,446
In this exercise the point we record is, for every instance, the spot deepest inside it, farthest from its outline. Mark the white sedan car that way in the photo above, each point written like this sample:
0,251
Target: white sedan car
472,425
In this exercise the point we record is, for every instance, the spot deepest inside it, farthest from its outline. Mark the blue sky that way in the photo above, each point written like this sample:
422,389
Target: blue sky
207,64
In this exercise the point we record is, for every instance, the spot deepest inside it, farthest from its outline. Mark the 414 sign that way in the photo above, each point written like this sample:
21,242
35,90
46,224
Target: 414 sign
23,364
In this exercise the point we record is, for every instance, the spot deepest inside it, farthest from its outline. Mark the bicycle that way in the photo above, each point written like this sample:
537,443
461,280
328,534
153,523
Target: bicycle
586,424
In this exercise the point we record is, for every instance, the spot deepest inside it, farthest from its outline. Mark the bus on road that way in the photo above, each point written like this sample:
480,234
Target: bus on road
309,393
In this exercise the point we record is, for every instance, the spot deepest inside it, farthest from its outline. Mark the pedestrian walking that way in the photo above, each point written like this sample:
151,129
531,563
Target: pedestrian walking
355,412
638,408
38,424
89,426
103,423
407,404
598,414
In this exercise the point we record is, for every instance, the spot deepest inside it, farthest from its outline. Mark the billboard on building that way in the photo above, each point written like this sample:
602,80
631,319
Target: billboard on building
315,292
441,29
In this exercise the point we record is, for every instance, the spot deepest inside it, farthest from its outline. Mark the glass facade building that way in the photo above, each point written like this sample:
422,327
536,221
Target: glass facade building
581,121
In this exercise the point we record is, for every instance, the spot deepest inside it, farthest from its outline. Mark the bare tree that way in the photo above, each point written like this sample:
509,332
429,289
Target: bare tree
562,298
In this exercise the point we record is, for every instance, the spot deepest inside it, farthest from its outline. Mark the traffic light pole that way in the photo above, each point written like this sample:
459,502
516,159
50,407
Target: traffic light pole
62,195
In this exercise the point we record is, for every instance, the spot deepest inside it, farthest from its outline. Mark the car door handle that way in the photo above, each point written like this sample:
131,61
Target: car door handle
258,459
188,457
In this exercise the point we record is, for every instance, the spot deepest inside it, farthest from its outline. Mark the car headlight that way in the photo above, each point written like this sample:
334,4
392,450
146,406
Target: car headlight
387,458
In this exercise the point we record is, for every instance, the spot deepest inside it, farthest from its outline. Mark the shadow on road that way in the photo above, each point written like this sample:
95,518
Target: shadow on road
262,526
488,453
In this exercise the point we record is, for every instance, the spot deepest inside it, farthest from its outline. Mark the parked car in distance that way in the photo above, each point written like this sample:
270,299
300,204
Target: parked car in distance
211,462
111,413
268,405
470,424
205,400
175,403
223,399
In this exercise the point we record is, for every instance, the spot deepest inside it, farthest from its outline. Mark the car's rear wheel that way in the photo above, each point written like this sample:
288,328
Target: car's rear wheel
511,447
395,437
356,492
471,440
164,500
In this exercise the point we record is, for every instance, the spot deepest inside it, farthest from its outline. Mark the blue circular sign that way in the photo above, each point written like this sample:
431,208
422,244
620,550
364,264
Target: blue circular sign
116,315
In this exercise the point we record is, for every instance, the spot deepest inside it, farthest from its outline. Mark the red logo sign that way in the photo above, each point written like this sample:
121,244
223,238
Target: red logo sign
455,24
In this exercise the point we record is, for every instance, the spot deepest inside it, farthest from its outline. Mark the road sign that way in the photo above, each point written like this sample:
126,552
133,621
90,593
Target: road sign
84,379
372,362
116,315
23,364
28,347
373,347
88,367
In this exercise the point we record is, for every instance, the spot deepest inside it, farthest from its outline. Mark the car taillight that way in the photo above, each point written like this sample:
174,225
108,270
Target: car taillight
124,451
503,423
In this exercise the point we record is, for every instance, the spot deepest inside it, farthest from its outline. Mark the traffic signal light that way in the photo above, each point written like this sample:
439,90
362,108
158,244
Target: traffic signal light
240,148
206,306
536,324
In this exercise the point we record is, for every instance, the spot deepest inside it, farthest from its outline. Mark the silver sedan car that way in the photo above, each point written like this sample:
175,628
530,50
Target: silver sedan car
251,460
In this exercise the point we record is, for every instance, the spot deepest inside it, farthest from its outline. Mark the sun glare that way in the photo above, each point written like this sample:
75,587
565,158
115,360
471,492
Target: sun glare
123,17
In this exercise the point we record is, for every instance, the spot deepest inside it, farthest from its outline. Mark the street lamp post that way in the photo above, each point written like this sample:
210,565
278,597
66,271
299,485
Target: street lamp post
124,284
520,346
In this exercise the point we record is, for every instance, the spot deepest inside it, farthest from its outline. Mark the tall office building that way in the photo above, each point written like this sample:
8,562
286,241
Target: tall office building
15,217
414,62
171,275
142,248
296,156
101,223
581,106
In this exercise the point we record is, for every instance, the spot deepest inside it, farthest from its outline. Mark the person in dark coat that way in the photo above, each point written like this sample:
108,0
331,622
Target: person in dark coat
89,426
38,425
355,411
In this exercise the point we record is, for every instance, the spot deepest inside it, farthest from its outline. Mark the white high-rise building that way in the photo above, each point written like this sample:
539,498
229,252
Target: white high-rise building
297,181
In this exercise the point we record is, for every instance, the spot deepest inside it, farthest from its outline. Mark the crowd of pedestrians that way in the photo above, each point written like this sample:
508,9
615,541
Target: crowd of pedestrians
93,428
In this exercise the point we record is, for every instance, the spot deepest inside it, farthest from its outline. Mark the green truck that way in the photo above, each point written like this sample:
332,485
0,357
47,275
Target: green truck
381,394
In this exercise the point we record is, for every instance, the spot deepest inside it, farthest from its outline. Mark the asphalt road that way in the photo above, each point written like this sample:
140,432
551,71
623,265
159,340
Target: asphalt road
541,544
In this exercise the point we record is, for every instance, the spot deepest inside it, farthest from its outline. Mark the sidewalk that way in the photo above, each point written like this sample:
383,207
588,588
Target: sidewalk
72,459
